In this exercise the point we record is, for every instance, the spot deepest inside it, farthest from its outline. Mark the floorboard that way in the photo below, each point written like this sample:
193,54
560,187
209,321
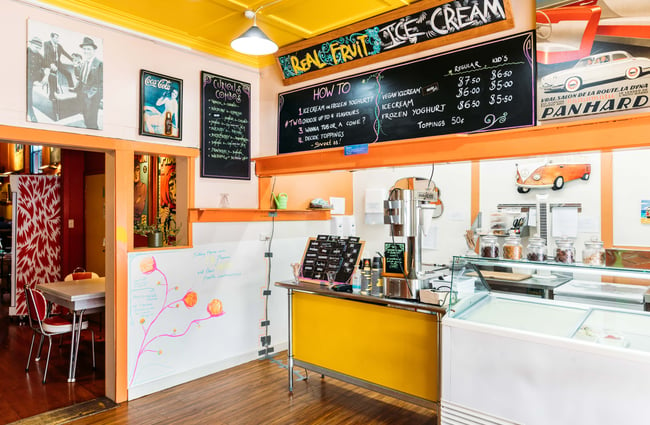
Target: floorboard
257,393
23,395
253,393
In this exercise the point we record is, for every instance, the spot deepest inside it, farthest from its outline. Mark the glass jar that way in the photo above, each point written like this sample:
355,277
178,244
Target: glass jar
536,249
489,246
512,248
565,252
593,253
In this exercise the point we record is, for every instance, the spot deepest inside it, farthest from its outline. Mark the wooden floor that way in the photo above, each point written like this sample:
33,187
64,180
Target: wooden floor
23,394
250,394
256,393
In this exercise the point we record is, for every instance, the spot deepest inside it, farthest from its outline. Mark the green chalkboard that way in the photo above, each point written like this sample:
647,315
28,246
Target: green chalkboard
394,259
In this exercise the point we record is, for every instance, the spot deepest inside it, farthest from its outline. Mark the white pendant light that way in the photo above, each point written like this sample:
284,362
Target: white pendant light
254,41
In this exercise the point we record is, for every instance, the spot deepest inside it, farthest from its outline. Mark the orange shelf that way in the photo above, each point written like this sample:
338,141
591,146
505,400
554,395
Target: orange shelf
210,215
628,131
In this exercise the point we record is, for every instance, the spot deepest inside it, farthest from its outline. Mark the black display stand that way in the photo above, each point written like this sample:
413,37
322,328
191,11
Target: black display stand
331,253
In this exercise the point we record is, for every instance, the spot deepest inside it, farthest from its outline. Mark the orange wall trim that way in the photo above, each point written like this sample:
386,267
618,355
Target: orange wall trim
629,131
208,215
476,190
301,189
31,136
606,199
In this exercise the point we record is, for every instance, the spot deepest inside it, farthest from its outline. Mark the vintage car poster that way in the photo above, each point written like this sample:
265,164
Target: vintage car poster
593,57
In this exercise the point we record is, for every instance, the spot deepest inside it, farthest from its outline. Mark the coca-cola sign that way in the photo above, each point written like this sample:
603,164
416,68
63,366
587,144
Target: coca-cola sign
160,105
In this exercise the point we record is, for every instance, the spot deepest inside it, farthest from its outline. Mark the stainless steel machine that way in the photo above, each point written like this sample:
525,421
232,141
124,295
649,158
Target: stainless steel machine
412,203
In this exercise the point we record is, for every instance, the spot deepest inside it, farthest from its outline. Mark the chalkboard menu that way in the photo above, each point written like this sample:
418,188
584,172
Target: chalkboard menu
328,253
480,88
225,127
394,259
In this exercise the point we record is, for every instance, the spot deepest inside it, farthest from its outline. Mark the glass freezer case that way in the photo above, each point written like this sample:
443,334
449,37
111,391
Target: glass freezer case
506,356
601,315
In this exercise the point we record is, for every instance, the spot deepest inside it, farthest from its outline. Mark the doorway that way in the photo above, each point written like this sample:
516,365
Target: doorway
23,394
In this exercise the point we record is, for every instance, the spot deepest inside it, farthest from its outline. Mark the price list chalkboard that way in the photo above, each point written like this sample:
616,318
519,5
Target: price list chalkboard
328,253
225,127
480,88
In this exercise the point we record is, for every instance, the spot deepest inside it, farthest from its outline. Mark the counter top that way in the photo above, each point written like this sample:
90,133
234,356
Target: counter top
319,289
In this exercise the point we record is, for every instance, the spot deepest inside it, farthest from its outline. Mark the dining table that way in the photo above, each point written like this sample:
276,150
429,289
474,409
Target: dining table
84,296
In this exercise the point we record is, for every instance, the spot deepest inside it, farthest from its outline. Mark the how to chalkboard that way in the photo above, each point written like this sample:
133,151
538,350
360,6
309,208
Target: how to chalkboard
480,88
225,127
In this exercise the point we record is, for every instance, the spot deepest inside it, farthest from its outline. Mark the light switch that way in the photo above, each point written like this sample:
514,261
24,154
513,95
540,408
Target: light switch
71,223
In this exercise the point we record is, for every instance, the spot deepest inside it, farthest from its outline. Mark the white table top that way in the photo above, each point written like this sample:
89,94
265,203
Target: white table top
75,294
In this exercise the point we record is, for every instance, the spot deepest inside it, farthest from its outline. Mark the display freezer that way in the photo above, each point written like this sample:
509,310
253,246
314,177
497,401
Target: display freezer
508,358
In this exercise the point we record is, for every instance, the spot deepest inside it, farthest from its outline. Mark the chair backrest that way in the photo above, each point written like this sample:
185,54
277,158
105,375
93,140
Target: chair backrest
36,306
81,275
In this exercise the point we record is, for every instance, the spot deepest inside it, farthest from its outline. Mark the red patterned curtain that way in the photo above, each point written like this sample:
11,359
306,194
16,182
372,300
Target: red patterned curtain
38,223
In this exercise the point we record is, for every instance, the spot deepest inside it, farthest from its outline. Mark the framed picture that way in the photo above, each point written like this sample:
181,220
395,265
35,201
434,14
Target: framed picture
161,105
65,77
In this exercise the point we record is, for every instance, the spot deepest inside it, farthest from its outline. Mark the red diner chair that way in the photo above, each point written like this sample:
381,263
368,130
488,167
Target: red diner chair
47,326
80,274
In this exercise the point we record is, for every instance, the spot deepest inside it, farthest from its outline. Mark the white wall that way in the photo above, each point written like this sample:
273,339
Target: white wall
226,263
498,187
631,175
454,182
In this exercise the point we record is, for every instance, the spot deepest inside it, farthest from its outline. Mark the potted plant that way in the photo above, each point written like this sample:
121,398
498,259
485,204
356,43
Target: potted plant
153,232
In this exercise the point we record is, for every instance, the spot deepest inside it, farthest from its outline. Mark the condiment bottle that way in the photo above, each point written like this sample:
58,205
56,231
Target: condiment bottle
489,246
593,253
366,283
536,249
377,266
565,251
512,248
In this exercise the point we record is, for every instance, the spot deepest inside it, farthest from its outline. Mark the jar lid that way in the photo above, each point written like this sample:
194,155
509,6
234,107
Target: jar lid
594,243
564,242
536,241
489,238
513,239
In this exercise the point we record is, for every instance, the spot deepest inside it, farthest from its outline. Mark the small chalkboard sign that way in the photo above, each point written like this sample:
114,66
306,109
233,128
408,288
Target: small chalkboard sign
484,87
225,127
395,259
327,253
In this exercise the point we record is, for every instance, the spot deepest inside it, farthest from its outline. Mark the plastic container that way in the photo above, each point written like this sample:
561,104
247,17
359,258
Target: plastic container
593,253
489,247
536,249
512,248
565,252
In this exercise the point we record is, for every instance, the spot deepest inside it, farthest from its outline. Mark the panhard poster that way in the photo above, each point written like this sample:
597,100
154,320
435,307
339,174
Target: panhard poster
593,57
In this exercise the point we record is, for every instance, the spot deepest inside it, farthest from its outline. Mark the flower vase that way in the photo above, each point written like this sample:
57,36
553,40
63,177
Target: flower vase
155,239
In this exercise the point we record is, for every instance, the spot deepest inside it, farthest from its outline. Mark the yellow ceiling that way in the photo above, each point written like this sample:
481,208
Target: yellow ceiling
210,25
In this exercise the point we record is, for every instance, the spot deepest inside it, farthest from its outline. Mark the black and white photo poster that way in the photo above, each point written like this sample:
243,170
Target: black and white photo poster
65,77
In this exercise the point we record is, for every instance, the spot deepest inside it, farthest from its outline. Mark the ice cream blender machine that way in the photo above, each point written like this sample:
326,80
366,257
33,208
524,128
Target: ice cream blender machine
412,204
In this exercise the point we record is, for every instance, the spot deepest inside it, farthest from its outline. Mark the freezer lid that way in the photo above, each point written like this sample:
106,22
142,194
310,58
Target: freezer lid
603,291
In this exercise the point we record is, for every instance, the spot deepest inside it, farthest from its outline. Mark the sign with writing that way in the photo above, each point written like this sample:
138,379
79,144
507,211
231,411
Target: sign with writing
480,88
426,21
395,259
331,254
591,74
225,127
